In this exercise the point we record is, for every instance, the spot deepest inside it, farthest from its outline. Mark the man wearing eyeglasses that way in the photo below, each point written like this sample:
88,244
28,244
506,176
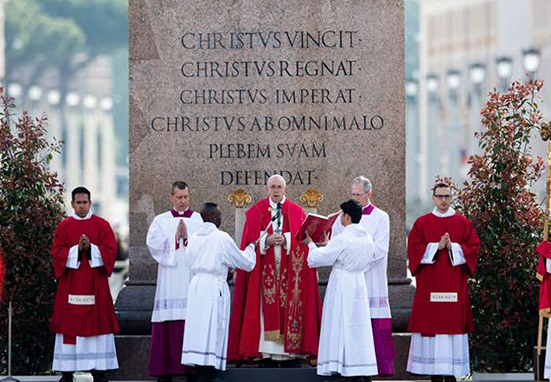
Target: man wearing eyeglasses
376,222
442,253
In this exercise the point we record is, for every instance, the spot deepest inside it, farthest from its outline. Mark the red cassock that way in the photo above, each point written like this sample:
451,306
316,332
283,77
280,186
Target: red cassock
430,318
84,320
291,307
544,252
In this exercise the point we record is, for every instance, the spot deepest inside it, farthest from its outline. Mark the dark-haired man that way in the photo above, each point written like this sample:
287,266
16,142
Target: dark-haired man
211,253
84,320
167,240
442,253
346,341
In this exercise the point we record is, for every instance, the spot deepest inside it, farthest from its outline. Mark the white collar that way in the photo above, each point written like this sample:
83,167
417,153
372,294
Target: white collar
447,214
88,216
356,228
274,205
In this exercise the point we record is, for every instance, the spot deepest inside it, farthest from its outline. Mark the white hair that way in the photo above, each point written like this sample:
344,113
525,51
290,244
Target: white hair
366,183
277,176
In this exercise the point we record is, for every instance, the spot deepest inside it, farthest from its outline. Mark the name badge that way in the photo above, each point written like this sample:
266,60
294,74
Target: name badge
443,297
82,299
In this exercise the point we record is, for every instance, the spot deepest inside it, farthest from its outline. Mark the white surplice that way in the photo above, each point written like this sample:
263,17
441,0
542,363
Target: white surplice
173,274
92,352
346,341
442,354
89,353
211,252
377,223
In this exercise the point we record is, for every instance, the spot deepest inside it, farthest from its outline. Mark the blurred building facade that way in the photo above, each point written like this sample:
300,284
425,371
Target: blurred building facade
465,49
80,114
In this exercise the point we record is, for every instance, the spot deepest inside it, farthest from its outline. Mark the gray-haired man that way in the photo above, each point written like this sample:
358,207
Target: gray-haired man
377,223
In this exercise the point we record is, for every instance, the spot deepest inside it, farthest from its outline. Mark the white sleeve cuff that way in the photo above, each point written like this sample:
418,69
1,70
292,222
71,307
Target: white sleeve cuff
312,245
287,236
72,260
430,252
263,243
97,261
548,265
456,255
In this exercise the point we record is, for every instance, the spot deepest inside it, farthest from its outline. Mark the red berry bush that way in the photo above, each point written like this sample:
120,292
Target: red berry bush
31,206
498,200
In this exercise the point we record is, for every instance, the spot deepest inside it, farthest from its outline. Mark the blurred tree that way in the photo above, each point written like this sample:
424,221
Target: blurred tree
31,206
54,31
499,201
68,35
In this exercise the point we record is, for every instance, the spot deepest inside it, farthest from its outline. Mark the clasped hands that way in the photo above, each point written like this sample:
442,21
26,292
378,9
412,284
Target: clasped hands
445,242
275,239
181,231
84,246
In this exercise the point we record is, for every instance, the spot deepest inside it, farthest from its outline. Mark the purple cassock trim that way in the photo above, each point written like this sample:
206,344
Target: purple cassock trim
369,209
384,346
165,357
186,214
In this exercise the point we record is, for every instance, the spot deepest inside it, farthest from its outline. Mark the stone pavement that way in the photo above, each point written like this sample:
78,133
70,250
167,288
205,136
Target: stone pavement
303,374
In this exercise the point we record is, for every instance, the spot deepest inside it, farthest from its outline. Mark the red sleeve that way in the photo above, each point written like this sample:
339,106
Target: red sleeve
108,247
60,250
416,246
470,247
544,252
297,216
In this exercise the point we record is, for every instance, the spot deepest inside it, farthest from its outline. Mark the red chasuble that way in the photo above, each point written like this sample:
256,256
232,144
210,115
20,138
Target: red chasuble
291,302
76,319
437,317
544,252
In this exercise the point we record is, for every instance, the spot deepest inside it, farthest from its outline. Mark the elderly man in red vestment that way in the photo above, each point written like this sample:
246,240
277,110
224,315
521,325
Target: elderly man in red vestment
276,310
84,320
442,253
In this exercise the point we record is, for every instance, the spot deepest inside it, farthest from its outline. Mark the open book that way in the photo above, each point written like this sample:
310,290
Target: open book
316,226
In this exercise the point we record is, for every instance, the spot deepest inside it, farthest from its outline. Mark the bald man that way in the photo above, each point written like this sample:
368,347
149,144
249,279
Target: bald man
276,309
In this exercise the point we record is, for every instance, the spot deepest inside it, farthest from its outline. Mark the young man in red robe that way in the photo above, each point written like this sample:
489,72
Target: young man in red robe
84,320
276,310
442,253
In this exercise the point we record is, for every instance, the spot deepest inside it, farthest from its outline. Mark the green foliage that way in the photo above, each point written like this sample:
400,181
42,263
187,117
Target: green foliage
507,218
31,206
53,31
30,33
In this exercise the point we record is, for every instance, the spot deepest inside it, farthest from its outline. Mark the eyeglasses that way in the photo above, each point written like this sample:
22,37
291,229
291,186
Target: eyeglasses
358,195
443,197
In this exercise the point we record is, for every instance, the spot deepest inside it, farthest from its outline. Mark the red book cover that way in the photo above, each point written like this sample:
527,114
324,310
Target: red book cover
316,226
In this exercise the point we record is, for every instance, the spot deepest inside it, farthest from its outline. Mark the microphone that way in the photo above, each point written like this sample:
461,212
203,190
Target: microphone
276,216
279,216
